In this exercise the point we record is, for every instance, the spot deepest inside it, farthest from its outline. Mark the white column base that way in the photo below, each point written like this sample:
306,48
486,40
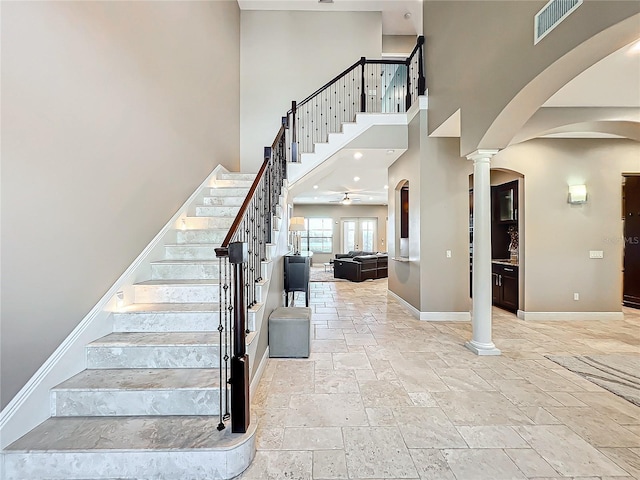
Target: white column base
482,348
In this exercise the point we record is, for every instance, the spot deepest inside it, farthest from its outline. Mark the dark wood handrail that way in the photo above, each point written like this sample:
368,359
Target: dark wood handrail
221,251
327,85
362,61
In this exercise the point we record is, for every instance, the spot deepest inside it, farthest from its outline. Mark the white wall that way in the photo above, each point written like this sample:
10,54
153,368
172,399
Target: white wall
112,114
287,55
558,235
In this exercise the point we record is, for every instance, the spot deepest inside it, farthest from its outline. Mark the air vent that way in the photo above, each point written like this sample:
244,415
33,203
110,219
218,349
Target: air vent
325,1
550,16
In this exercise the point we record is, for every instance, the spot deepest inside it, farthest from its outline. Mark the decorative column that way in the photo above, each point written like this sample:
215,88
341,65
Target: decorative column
481,342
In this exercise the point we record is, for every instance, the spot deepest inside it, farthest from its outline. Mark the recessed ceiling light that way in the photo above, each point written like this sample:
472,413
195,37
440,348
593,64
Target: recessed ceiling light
389,152
357,155
315,187
386,187
356,179
315,198
370,198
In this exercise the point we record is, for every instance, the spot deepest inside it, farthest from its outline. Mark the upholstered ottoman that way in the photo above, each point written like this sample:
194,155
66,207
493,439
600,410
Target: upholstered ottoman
289,332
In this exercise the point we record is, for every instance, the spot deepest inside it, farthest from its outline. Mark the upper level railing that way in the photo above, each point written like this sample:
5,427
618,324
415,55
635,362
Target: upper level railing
371,86
367,86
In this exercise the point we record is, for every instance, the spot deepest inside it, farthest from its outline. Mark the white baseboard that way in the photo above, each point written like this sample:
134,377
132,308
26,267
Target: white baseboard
255,381
569,316
432,316
31,405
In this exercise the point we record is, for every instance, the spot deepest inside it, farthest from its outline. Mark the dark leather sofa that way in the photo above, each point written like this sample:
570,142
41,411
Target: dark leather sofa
358,266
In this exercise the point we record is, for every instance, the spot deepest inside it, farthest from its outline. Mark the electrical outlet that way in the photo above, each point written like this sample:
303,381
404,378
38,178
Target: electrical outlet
596,254
576,296
448,253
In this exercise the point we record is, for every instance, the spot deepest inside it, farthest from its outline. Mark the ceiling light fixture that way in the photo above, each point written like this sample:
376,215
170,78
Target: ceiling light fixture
315,187
356,179
346,200
357,155
407,15
386,187
389,152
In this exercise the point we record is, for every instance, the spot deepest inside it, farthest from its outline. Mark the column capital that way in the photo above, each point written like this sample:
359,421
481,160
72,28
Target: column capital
482,154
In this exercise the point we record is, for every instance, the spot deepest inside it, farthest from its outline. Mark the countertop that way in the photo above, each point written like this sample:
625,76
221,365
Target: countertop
505,262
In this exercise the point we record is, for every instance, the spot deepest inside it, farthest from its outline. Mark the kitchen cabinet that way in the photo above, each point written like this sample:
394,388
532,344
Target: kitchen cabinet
505,290
505,202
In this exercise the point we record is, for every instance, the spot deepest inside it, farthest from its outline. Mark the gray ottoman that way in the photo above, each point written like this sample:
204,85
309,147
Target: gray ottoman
289,332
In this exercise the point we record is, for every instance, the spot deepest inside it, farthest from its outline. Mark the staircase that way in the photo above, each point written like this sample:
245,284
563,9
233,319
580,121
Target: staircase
148,406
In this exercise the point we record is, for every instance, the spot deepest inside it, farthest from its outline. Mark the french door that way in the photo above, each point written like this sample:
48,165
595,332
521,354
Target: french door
359,234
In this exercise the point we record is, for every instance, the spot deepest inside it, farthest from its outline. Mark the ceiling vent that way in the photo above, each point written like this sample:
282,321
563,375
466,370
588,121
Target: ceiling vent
550,16
325,1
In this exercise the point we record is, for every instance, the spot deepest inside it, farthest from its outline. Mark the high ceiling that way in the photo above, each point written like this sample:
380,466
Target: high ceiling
612,82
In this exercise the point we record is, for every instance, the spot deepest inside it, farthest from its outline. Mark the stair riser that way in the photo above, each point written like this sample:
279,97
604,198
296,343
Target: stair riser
204,211
171,322
82,403
223,201
190,252
166,322
176,293
188,356
231,192
129,465
184,272
246,184
201,236
236,176
192,223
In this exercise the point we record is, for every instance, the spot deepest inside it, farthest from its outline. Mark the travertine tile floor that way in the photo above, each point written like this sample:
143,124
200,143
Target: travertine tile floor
385,396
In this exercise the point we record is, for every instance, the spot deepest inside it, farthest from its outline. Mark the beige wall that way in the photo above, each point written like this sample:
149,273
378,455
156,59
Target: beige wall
558,235
112,114
444,216
339,212
398,44
404,277
287,55
480,55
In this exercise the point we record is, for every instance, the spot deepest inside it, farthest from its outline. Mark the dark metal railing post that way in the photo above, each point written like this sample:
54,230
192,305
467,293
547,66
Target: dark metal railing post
294,135
408,98
422,82
240,416
363,95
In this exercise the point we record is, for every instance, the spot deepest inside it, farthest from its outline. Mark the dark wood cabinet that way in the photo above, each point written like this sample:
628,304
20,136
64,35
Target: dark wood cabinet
505,202
505,290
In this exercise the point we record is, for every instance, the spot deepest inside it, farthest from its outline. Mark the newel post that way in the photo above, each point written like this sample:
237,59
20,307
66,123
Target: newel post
240,418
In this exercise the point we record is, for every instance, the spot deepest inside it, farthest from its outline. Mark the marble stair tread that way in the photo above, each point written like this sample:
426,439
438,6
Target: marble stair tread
128,433
180,282
169,307
158,339
142,379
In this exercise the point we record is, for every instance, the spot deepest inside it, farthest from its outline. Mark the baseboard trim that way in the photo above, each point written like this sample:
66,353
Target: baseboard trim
568,316
255,381
432,316
25,410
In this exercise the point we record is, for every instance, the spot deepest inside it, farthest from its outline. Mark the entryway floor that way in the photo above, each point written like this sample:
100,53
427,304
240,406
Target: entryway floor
385,396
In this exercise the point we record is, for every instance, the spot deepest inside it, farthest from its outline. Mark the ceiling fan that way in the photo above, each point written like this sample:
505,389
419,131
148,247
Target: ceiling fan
346,200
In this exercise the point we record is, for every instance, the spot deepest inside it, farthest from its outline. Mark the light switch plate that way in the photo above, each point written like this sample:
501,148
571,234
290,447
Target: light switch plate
596,254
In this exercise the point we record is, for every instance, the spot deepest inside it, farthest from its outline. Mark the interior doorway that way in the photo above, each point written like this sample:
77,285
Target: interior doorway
359,234
631,263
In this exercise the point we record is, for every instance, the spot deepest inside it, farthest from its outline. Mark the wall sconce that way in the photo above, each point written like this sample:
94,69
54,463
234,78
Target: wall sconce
577,194
296,225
